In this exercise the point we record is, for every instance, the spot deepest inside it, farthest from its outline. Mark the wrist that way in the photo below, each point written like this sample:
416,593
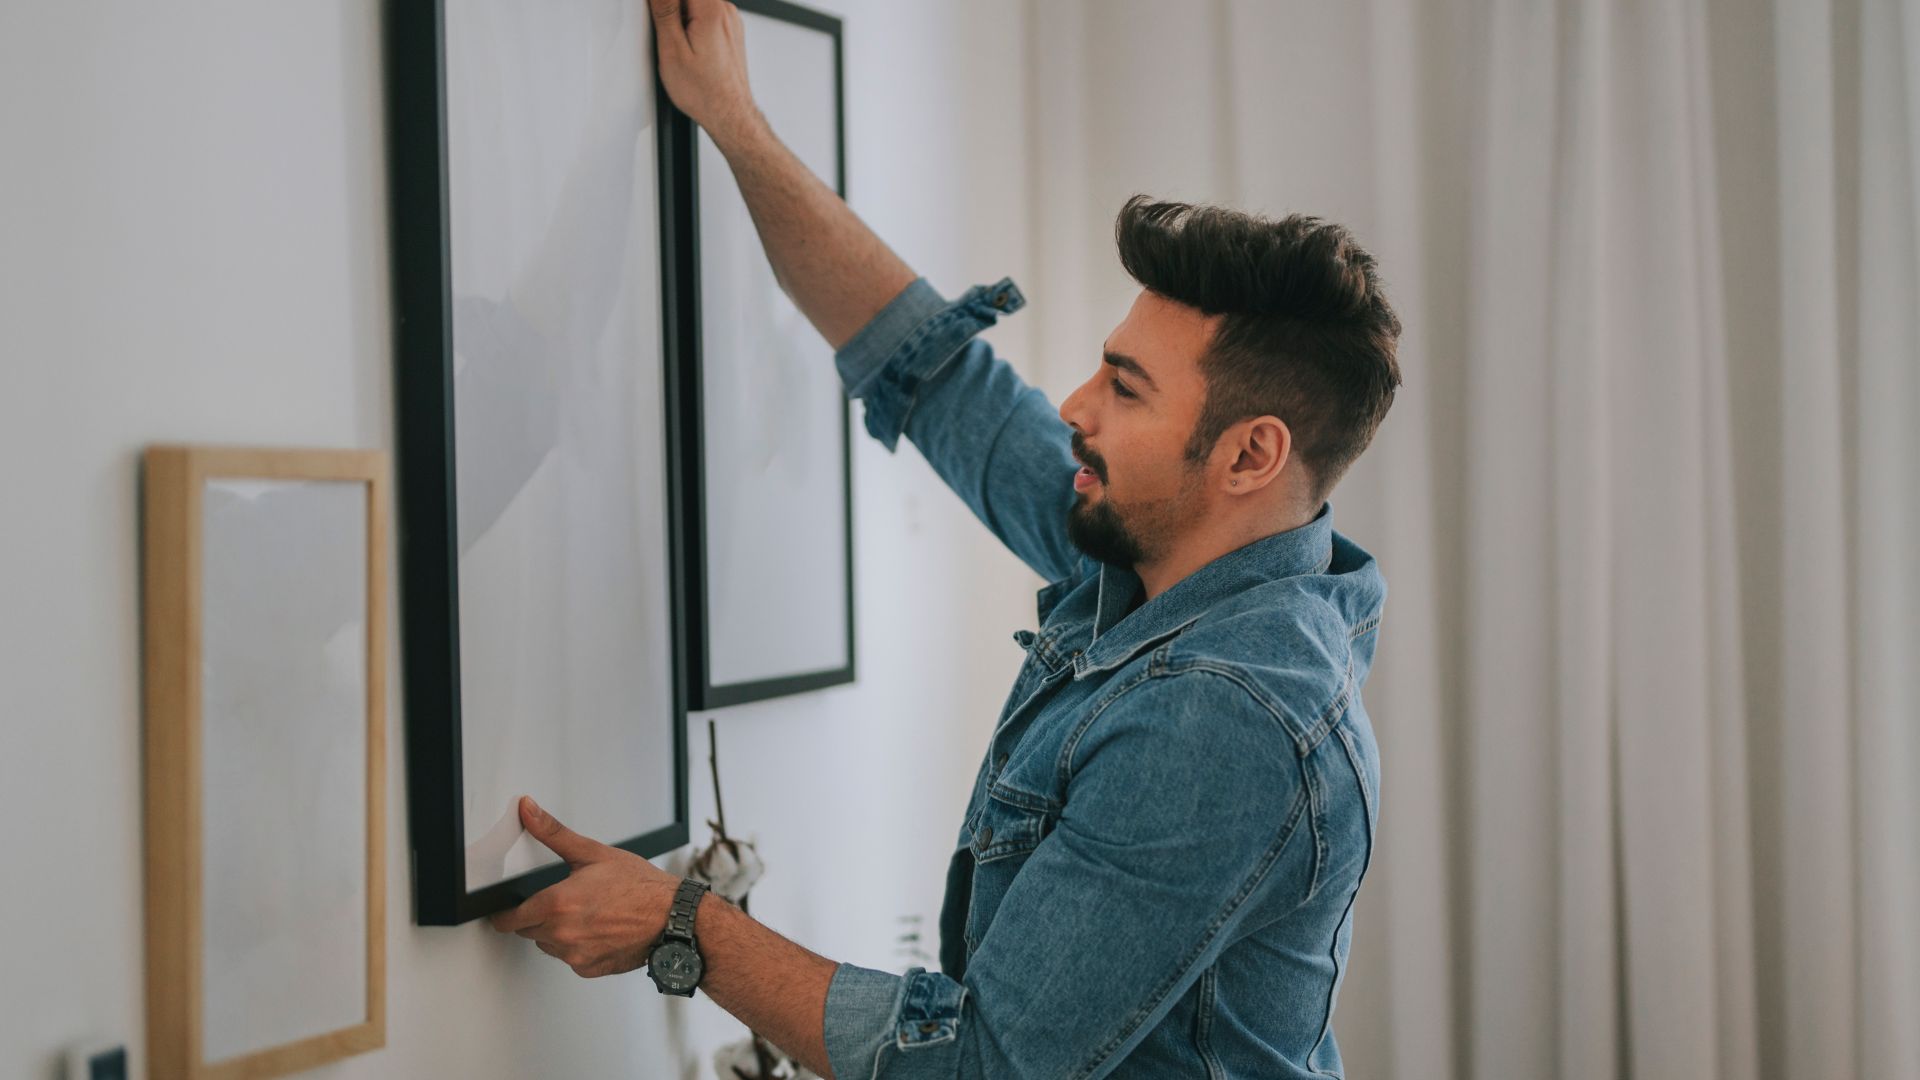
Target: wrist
675,964
741,133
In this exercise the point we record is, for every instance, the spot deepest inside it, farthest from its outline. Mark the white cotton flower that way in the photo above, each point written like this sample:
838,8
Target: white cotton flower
735,1060
730,866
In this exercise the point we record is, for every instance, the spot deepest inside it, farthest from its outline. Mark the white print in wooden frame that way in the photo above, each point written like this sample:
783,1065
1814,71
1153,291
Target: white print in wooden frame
265,655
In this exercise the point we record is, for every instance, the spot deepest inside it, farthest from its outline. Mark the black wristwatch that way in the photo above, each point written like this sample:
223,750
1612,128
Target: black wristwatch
674,965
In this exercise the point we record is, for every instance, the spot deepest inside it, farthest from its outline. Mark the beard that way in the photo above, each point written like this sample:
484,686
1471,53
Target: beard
1097,529
1140,531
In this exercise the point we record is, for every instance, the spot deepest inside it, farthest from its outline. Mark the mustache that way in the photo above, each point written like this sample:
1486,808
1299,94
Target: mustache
1088,457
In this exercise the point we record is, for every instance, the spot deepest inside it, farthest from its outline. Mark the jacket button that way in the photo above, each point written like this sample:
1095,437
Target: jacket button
986,835
929,1027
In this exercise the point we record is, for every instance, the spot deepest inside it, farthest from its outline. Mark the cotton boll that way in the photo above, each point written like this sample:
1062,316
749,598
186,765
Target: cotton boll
730,866
736,1060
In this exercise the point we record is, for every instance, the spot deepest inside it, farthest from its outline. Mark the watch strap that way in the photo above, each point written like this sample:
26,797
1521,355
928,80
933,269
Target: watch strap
686,902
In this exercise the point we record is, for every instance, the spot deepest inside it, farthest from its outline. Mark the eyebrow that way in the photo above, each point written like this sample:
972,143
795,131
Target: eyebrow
1129,365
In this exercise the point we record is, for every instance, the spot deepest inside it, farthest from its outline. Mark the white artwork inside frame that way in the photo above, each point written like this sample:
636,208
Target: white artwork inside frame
773,406
566,679
283,762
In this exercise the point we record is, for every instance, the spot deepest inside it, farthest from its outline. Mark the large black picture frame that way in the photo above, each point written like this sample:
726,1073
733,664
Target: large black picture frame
679,192
417,144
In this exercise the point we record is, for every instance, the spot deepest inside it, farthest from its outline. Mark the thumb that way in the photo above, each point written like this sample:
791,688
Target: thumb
559,839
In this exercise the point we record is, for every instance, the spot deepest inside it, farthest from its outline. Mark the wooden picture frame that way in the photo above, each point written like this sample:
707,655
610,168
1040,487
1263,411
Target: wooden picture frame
766,575
258,651
536,446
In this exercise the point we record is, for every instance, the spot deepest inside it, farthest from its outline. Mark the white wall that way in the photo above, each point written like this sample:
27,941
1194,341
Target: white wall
193,247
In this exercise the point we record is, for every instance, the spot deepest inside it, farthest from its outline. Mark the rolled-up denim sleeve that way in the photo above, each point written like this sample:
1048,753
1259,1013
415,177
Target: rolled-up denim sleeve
919,370
871,1011
1185,815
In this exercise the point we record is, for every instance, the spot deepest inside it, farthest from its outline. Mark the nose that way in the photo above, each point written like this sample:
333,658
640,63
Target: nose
1073,409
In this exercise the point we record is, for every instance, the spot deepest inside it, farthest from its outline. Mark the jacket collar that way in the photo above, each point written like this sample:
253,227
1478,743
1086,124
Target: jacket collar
1120,634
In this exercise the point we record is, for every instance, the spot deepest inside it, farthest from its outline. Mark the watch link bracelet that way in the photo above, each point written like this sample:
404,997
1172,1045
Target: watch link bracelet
674,964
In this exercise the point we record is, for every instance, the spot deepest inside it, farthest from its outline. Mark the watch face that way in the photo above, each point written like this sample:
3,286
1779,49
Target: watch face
676,966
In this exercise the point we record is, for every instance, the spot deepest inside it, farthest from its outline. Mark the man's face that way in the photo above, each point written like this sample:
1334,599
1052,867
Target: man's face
1138,492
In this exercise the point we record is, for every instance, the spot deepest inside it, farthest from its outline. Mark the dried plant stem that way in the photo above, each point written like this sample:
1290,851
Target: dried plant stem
763,1055
713,762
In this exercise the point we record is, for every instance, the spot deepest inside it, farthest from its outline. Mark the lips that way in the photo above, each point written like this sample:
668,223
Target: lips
1088,475
1090,463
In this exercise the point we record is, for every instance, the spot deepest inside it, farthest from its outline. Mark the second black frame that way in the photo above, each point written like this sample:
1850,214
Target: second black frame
681,310
416,68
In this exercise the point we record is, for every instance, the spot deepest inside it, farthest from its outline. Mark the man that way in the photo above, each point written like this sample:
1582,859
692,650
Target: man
1157,868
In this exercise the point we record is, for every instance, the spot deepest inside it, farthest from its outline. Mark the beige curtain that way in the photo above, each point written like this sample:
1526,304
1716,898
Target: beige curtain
1648,506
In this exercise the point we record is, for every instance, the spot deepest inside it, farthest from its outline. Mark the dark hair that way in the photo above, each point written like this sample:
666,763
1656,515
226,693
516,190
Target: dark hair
1308,335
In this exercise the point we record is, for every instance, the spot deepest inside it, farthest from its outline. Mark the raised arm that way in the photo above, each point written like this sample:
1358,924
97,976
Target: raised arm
838,272
904,350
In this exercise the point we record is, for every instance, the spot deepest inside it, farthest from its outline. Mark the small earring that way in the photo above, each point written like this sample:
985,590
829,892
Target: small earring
1236,483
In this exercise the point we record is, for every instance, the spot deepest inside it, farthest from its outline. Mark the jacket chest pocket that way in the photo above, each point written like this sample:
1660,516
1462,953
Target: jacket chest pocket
1041,679
1004,835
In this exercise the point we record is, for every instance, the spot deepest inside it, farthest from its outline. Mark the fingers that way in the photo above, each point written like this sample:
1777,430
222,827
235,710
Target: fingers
586,969
514,920
559,839
669,28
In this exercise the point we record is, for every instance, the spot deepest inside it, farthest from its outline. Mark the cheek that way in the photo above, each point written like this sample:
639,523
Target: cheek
1150,465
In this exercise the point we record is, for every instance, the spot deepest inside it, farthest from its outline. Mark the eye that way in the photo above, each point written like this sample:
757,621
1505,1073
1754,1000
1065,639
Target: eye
1120,388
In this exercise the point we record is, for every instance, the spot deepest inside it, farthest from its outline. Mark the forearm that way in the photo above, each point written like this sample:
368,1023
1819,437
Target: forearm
770,984
837,271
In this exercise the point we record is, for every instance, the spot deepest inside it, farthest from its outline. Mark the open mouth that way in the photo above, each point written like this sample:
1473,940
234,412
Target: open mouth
1088,475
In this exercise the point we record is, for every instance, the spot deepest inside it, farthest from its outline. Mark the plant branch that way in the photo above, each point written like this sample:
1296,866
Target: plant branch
713,762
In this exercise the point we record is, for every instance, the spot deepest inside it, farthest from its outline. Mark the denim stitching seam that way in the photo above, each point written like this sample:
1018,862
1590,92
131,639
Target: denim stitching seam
1335,709
1304,741
1203,1041
1064,766
1259,873
955,314
1366,863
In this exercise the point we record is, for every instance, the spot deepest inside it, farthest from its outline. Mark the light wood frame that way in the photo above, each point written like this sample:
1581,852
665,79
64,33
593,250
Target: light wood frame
175,481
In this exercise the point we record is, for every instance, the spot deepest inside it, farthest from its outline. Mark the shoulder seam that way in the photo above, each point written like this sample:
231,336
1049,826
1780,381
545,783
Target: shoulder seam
1304,741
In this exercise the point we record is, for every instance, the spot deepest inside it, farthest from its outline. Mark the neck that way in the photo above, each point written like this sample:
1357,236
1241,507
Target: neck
1205,545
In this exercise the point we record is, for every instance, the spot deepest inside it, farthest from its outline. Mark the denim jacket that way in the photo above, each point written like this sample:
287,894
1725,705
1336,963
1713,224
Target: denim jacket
1156,872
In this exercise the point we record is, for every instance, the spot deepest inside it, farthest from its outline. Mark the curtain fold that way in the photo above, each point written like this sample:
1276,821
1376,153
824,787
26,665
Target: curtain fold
1886,522
1648,504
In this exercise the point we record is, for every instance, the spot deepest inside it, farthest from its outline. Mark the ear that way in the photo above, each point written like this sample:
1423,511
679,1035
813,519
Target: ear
1257,450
